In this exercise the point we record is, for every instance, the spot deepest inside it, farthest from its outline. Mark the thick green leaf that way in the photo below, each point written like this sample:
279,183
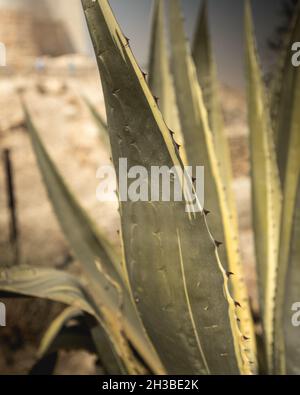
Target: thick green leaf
201,152
86,240
207,76
58,336
110,360
266,192
287,340
62,287
283,96
96,255
49,284
160,78
177,280
79,336
287,345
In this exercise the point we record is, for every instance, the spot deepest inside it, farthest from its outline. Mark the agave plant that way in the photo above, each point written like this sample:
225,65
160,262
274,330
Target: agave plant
175,302
13,247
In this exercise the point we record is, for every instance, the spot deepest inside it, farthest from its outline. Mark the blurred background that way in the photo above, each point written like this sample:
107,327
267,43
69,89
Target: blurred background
50,64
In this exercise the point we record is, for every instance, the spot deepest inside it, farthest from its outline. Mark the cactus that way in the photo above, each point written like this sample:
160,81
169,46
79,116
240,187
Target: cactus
175,302
275,182
160,79
201,150
207,77
288,145
266,191
91,248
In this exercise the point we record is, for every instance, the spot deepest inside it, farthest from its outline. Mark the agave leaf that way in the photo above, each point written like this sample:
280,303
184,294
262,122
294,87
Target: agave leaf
177,279
287,346
200,151
207,76
86,240
107,353
95,253
62,287
266,192
79,336
283,101
101,124
160,78
58,336
49,284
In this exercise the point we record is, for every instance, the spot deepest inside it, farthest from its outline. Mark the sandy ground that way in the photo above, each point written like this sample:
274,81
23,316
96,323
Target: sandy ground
70,135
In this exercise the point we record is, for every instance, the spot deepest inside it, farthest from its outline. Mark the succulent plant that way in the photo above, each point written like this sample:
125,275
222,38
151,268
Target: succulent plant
175,302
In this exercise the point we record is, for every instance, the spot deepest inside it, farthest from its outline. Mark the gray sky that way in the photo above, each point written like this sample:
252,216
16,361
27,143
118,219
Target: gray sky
226,18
